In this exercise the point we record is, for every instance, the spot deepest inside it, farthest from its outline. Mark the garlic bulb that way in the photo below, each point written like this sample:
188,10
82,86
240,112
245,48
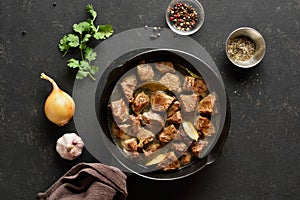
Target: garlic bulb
59,106
69,146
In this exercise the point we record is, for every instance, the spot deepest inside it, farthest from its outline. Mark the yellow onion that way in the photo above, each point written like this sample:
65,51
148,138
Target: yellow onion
59,106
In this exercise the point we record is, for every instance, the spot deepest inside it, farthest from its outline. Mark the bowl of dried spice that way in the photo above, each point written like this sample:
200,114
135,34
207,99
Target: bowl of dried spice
185,17
245,47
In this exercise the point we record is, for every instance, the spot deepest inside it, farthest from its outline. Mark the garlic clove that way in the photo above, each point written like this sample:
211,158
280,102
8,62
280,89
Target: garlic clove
69,146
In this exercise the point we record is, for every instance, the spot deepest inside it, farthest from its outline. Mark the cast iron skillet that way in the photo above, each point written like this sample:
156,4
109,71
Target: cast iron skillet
112,154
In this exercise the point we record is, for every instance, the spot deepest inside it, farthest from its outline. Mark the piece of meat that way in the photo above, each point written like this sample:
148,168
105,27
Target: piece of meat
174,108
198,146
133,155
140,102
204,125
188,84
170,162
118,133
176,118
128,85
145,72
186,158
132,127
151,148
189,102
130,144
195,85
165,67
153,121
168,134
135,124
130,148
144,136
172,81
183,137
207,105
119,110
160,101
200,86
179,148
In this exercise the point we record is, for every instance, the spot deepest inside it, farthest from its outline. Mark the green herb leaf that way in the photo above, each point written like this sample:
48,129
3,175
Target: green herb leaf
73,40
63,44
87,50
73,63
82,46
91,56
81,74
90,9
94,69
86,38
81,27
92,26
84,65
104,31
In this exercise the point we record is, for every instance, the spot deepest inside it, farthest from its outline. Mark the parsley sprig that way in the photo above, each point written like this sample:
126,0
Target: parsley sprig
83,32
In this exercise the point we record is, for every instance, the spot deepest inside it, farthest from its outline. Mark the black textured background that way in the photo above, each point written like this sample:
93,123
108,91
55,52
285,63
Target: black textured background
261,157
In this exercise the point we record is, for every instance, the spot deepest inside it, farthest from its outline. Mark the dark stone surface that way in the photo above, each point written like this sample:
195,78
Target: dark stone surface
261,157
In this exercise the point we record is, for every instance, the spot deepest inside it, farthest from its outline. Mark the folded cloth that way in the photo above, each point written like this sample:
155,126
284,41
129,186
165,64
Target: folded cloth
88,181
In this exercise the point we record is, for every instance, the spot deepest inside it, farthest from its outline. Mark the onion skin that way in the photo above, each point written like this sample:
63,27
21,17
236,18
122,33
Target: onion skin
59,106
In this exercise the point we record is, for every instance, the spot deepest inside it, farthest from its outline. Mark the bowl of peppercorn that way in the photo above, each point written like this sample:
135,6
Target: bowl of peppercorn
185,17
245,47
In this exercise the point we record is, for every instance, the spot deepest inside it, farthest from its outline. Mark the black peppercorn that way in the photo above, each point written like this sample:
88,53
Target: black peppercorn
183,16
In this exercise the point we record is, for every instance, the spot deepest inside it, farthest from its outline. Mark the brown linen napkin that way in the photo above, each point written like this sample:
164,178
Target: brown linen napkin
88,181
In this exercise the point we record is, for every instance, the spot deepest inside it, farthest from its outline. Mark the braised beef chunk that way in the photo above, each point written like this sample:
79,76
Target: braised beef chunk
133,155
151,148
132,126
174,108
130,144
208,105
119,110
182,136
172,81
198,146
144,136
200,87
179,148
176,118
195,85
168,134
140,102
165,67
188,84
186,158
130,148
118,132
204,125
189,102
145,72
170,162
128,86
160,101
153,121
